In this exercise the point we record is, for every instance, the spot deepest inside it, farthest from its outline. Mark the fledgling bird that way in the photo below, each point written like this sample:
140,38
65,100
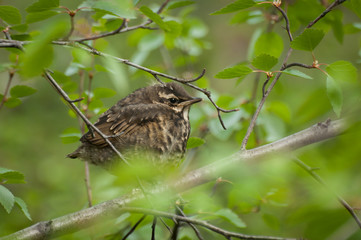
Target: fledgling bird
153,119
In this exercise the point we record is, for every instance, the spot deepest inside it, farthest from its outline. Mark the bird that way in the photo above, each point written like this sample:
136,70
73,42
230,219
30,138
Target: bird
153,120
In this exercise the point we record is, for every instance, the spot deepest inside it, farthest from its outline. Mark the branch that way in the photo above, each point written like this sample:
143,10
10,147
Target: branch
7,88
109,209
283,67
79,113
332,6
124,27
323,183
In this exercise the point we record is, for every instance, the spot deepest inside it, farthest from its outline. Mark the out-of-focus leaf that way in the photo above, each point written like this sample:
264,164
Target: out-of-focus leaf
264,62
10,14
11,176
334,94
39,16
238,71
342,71
104,92
271,221
6,199
269,43
228,215
280,109
70,135
39,53
21,91
23,207
194,142
154,17
356,7
124,8
21,28
178,4
43,5
235,6
295,72
12,102
308,40
247,16
337,26
151,41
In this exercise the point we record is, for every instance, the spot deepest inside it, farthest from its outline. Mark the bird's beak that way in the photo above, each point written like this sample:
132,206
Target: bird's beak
192,101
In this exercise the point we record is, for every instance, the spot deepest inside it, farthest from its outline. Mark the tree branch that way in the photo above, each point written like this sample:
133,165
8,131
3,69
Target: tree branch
317,177
87,217
283,67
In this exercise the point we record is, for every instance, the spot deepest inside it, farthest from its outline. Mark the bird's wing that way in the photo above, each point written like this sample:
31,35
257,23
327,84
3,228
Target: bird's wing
118,122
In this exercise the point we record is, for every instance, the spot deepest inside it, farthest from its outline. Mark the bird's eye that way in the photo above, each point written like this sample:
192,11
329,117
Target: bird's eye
173,100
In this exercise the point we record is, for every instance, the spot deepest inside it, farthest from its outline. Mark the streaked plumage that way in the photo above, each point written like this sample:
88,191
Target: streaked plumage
152,119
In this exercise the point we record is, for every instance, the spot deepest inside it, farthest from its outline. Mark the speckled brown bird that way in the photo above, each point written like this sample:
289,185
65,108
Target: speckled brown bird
153,119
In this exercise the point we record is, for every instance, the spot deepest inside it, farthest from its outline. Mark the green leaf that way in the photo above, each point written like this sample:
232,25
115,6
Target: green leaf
10,14
12,102
296,73
6,198
179,4
334,94
194,142
308,40
154,17
228,215
240,71
20,28
23,207
39,53
11,176
104,92
235,6
342,71
264,62
269,43
21,91
39,16
42,5
70,135
123,8
356,7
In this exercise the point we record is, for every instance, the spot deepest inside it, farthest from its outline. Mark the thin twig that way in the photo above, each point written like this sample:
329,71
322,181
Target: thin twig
298,65
333,5
195,229
154,224
204,224
318,178
85,119
134,227
124,28
7,88
288,29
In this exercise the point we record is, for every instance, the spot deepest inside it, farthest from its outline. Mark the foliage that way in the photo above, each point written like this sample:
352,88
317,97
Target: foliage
245,46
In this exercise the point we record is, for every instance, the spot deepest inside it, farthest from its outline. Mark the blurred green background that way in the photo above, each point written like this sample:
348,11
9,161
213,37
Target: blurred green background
272,197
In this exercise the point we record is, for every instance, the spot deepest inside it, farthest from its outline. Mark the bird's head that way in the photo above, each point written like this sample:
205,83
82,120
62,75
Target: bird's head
174,96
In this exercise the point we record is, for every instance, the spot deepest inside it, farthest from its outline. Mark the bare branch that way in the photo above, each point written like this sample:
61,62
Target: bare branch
284,14
332,6
317,177
7,88
113,208
134,227
124,27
